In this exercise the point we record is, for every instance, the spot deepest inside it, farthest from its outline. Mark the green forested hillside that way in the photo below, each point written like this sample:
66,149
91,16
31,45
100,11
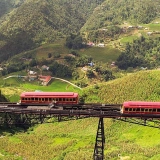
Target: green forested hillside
143,52
143,86
7,6
116,12
116,19
37,22
25,24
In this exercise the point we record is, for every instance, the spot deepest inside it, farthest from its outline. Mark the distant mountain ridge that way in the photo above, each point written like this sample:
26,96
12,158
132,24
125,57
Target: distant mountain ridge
26,24
42,22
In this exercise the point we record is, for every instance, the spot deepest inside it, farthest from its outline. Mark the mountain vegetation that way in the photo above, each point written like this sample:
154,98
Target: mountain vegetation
27,24
140,86
143,52
110,20
116,12
37,22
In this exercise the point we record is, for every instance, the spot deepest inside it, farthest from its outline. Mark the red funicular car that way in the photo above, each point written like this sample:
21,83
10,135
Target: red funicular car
48,97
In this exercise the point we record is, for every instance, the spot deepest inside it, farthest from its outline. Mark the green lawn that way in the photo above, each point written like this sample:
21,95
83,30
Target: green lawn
128,39
153,26
42,52
101,54
55,86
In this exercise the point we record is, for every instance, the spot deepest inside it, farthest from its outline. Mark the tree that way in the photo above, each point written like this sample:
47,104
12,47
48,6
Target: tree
74,41
89,74
33,63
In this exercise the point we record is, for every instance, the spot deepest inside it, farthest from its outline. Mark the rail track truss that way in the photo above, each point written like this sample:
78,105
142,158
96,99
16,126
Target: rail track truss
12,114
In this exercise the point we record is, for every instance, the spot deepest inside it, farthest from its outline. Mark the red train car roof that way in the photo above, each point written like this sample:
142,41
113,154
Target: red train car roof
47,94
141,103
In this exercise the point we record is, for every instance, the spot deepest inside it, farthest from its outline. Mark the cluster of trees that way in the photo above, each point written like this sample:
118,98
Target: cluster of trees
104,74
143,52
60,70
3,98
74,41
16,43
109,32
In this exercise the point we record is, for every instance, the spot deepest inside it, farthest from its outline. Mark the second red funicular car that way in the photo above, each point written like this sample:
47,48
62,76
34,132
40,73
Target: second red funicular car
140,107
48,97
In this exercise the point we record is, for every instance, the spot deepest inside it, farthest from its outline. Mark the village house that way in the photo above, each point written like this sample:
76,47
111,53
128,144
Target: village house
101,45
44,79
32,75
45,68
91,44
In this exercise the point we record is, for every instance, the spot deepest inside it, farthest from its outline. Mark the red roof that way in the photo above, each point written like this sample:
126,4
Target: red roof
141,104
45,78
49,94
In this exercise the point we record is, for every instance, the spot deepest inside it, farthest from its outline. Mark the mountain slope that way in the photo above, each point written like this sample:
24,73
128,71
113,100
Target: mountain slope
143,85
37,22
7,6
116,12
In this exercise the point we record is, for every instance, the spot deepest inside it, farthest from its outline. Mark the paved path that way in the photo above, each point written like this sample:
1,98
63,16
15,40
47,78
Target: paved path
67,82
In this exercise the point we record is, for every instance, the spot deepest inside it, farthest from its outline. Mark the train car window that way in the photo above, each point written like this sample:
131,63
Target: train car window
134,109
60,99
22,98
130,109
146,109
142,109
31,99
40,99
63,99
50,99
71,99
66,99
57,99
154,110
138,109
36,99
126,109
158,110
150,110
46,99
74,99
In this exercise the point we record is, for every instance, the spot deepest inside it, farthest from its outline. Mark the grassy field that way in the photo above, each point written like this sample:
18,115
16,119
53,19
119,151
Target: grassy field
128,39
101,54
42,52
153,26
76,141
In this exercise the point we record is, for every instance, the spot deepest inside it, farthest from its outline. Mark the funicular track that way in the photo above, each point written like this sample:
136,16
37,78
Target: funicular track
14,113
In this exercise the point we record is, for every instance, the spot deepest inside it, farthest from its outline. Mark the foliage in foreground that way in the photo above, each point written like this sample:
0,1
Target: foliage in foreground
76,141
